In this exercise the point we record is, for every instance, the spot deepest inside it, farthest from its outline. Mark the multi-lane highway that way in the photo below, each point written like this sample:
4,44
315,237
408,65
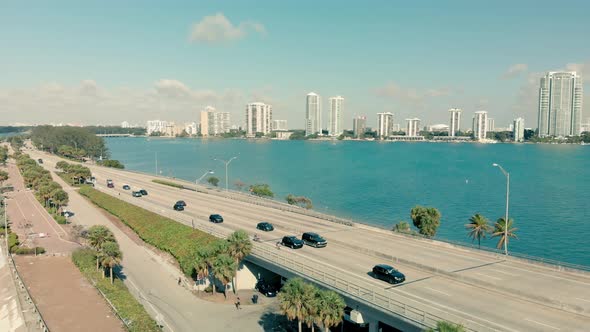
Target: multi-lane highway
476,288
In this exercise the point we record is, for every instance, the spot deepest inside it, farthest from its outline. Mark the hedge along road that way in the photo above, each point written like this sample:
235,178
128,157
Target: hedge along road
154,282
435,292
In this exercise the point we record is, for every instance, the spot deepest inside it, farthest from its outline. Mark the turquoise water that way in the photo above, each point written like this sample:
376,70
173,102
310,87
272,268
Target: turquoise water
378,183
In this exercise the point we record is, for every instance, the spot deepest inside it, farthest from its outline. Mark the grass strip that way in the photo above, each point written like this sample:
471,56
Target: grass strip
132,313
168,183
168,235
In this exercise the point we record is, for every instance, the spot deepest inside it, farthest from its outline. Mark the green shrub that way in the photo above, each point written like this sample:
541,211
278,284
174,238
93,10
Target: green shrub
128,308
60,219
179,240
111,163
13,241
29,251
168,183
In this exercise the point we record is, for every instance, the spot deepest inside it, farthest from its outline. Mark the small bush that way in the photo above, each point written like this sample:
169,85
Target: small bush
208,289
60,219
29,251
13,241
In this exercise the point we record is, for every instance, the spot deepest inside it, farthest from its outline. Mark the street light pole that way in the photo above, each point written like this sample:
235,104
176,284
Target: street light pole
226,165
202,176
507,203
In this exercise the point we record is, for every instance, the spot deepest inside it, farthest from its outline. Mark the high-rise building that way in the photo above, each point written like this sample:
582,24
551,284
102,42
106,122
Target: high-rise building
560,104
518,130
156,126
491,125
335,127
279,125
214,123
258,119
384,122
455,124
125,124
359,125
480,125
313,114
412,127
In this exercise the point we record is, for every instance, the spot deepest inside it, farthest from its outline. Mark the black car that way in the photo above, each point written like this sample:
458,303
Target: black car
314,240
40,161
267,289
265,226
181,203
136,194
215,218
292,242
178,207
126,187
143,192
388,273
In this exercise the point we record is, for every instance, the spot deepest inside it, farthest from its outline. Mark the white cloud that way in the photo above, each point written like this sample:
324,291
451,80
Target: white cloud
217,28
581,68
515,70
411,96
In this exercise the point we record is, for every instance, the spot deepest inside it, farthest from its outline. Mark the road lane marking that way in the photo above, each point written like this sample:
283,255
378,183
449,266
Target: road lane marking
487,276
534,321
436,290
503,272
577,298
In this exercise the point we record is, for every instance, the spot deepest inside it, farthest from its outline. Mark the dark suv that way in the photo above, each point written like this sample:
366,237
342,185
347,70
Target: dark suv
143,192
265,226
178,207
292,242
215,218
265,288
388,273
182,203
314,240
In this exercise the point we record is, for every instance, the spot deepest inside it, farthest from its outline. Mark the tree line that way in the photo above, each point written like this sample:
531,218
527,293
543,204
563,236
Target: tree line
76,142
427,221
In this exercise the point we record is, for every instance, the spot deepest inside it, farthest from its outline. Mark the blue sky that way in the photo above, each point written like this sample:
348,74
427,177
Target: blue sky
91,62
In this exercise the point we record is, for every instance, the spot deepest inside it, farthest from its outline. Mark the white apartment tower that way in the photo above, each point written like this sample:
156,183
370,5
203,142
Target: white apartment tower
258,119
560,104
313,114
412,127
480,125
156,126
518,130
491,125
214,123
280,125
385,123
455,124
335,127
359,125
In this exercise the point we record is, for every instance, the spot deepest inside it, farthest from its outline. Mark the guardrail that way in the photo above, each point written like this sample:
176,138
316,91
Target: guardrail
42,325
388,302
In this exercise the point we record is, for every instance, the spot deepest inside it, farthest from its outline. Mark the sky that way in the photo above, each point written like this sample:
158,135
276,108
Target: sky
104,62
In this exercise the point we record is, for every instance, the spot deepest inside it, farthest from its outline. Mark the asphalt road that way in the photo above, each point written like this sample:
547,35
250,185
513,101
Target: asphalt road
355,250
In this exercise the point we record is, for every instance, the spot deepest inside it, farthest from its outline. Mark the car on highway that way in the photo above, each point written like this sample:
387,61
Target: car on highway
292,242
40,161
110,184
178,207
265,226
216,218
181,203
126,187
143,192
388,273
314,240
265,288
136,194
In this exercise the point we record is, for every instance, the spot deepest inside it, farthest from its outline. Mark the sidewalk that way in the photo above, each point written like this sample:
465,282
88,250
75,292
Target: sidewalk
11,316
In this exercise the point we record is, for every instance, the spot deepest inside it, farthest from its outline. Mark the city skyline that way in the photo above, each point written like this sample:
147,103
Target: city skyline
62,70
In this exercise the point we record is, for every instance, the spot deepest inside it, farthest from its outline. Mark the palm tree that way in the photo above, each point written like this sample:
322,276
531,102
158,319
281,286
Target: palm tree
499,228
239,247
224,269
478,226
311,305
111,256
291,300
201,267
210,253
331,309
59,197
99,235
444,326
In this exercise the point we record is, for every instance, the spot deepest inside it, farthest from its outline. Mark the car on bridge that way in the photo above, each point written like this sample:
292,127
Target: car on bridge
314,240
143,192
292,242
216,218
136,194
110,184
178,207
388,273
181,203
126,187
40,161
265,226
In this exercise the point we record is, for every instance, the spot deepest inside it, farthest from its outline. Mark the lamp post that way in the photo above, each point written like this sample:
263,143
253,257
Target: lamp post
202,176
226,164
507,202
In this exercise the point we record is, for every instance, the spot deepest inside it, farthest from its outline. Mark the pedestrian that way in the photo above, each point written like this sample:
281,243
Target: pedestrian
179,281
238,303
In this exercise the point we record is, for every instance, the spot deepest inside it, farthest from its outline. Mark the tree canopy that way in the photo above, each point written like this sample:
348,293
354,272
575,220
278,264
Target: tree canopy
426,219
261,190
71,140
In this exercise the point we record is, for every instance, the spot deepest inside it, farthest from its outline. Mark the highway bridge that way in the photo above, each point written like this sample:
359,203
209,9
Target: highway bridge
483,291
